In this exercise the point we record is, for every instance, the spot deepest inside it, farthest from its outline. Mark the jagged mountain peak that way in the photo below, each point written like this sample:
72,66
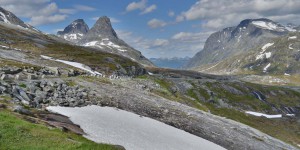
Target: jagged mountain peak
75,31
103,26
77,26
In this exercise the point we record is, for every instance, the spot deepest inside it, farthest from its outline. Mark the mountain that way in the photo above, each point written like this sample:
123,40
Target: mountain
175,62
75,31
9,18
234,41
102,37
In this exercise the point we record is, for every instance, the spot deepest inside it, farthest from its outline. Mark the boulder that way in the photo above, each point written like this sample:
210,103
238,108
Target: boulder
22,110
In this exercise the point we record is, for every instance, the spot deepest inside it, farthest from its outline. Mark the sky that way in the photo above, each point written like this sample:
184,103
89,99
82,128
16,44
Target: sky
157,28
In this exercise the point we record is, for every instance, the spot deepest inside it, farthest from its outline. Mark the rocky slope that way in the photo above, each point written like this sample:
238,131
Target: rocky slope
235,41
75,31
279,56
102,37
38,70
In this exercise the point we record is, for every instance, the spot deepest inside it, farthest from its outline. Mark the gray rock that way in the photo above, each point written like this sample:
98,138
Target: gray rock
32,77
22,110
24,95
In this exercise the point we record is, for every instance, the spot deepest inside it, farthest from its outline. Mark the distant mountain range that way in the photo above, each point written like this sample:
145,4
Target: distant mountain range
102,37
259,46
174,63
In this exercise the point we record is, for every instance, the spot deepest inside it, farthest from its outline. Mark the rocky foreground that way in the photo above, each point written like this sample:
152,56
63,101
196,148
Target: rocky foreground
134,95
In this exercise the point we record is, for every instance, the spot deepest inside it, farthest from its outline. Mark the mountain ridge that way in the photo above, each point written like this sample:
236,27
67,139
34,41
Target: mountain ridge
103,37
233,41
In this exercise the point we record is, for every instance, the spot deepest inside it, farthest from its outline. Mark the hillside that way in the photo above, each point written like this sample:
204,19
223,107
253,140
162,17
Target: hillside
237,42
40,71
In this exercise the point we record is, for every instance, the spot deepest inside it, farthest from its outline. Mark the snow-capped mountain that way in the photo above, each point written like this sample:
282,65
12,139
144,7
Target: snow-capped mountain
233,41
258,46
102,37
75,31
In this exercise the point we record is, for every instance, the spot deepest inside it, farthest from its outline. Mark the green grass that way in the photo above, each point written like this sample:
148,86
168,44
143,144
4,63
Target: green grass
18,134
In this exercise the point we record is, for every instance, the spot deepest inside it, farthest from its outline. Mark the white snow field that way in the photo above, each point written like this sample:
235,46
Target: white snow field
265,115
74,64
110,125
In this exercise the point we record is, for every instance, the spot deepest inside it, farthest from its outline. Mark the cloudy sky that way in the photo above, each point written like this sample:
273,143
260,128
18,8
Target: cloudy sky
161,28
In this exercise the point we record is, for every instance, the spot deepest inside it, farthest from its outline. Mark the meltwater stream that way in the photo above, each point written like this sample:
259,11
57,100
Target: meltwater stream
118,127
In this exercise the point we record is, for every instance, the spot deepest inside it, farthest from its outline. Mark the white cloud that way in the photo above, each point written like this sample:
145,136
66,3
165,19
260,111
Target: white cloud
155,23
149,9
40,12
171,13
191,37
67,11
39,20
160,42
142,6
84,8
179,45
136,5
231,12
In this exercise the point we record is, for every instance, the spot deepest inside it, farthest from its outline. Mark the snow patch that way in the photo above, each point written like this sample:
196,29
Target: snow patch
264,48
262,54
268,54
93,43
4,46
286,74
122,50
74,64
239,38
3,16
291,115
266,25
119,127
290,47
266,68
105,42
292,37
263,115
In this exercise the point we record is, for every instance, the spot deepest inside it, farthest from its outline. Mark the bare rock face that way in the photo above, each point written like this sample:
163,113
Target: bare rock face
75,31
101,30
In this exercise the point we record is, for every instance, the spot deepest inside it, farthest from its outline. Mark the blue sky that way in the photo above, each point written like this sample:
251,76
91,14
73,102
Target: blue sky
161,28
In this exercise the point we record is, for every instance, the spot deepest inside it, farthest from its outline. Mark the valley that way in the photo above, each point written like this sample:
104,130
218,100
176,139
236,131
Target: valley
233,96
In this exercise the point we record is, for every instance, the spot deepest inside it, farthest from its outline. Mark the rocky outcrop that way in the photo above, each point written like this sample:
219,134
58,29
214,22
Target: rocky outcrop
102,30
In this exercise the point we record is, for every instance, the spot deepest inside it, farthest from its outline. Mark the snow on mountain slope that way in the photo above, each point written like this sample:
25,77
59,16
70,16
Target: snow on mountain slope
74,64
262,54
75,31
267,25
